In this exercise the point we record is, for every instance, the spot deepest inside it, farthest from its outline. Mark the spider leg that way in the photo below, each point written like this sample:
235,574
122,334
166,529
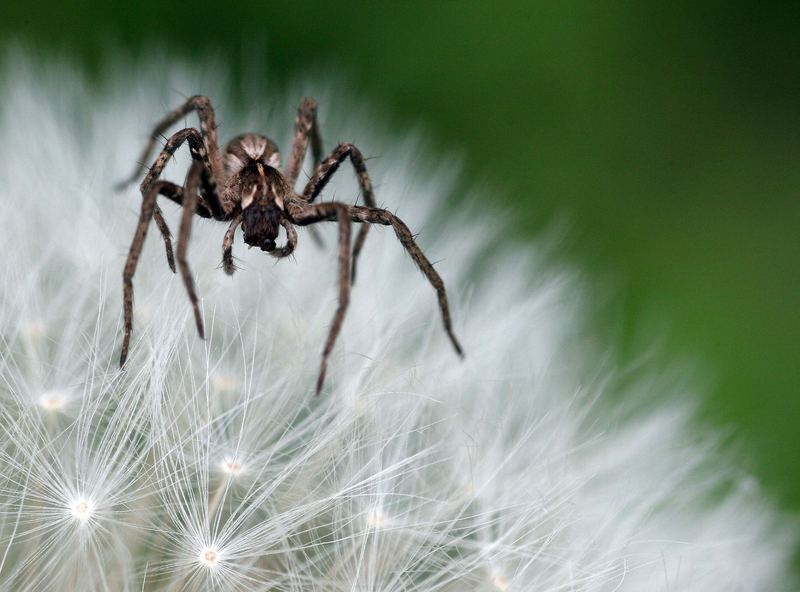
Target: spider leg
175,193
324,173
148,207
166,235
306,130
150,210
309,214
227,245
208,125
189,204
304,214
191,136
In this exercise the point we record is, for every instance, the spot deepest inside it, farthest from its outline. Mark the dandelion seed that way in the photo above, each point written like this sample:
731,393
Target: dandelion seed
144,313
500,582
232,467
35,331
82,509
52,400
209,557
377,519
224,383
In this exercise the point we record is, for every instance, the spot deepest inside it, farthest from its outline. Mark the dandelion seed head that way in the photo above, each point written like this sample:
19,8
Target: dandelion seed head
499,472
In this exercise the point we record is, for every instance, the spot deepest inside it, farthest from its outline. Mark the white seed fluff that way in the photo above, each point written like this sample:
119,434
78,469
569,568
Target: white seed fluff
209,465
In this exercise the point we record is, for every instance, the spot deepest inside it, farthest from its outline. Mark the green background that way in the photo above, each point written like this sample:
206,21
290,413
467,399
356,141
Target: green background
667,133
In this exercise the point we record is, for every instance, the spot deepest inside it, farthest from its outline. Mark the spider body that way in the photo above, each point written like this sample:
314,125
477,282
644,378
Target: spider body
244,186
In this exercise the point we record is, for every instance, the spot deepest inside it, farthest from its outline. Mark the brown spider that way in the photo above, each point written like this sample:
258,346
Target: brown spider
245,186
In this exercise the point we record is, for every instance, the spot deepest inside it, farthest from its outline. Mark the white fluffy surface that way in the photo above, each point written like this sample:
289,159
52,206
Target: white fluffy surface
210,466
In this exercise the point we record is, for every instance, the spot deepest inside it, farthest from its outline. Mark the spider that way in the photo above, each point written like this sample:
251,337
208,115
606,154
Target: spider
244,186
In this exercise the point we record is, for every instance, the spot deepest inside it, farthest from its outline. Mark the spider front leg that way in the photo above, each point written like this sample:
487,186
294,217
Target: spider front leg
191,136
150,190
308,214
324,173
406,238
189,204
148,207
208,125
188,199
175,193
305,214
158,216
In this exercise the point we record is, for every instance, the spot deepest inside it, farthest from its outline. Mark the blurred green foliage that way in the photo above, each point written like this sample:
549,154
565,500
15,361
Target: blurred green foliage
667,131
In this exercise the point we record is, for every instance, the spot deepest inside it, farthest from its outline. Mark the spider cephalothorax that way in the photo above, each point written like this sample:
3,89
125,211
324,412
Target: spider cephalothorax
245,187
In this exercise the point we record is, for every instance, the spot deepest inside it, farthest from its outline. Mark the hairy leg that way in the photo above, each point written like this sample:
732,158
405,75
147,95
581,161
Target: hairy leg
158,216
189,205
175,193
304,214
208,125
324,173
227,245
199,155
306,130
340,213
146,213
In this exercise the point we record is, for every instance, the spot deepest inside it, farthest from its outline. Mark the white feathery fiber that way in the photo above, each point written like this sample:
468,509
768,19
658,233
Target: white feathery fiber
210,465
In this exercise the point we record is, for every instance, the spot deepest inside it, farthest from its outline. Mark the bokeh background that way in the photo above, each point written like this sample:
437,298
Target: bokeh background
666,134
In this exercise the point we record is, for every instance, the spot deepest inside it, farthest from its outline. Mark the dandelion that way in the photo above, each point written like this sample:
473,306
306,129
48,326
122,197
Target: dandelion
209,465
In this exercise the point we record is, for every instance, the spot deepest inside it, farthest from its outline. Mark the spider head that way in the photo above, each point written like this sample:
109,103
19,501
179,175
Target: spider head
260,225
